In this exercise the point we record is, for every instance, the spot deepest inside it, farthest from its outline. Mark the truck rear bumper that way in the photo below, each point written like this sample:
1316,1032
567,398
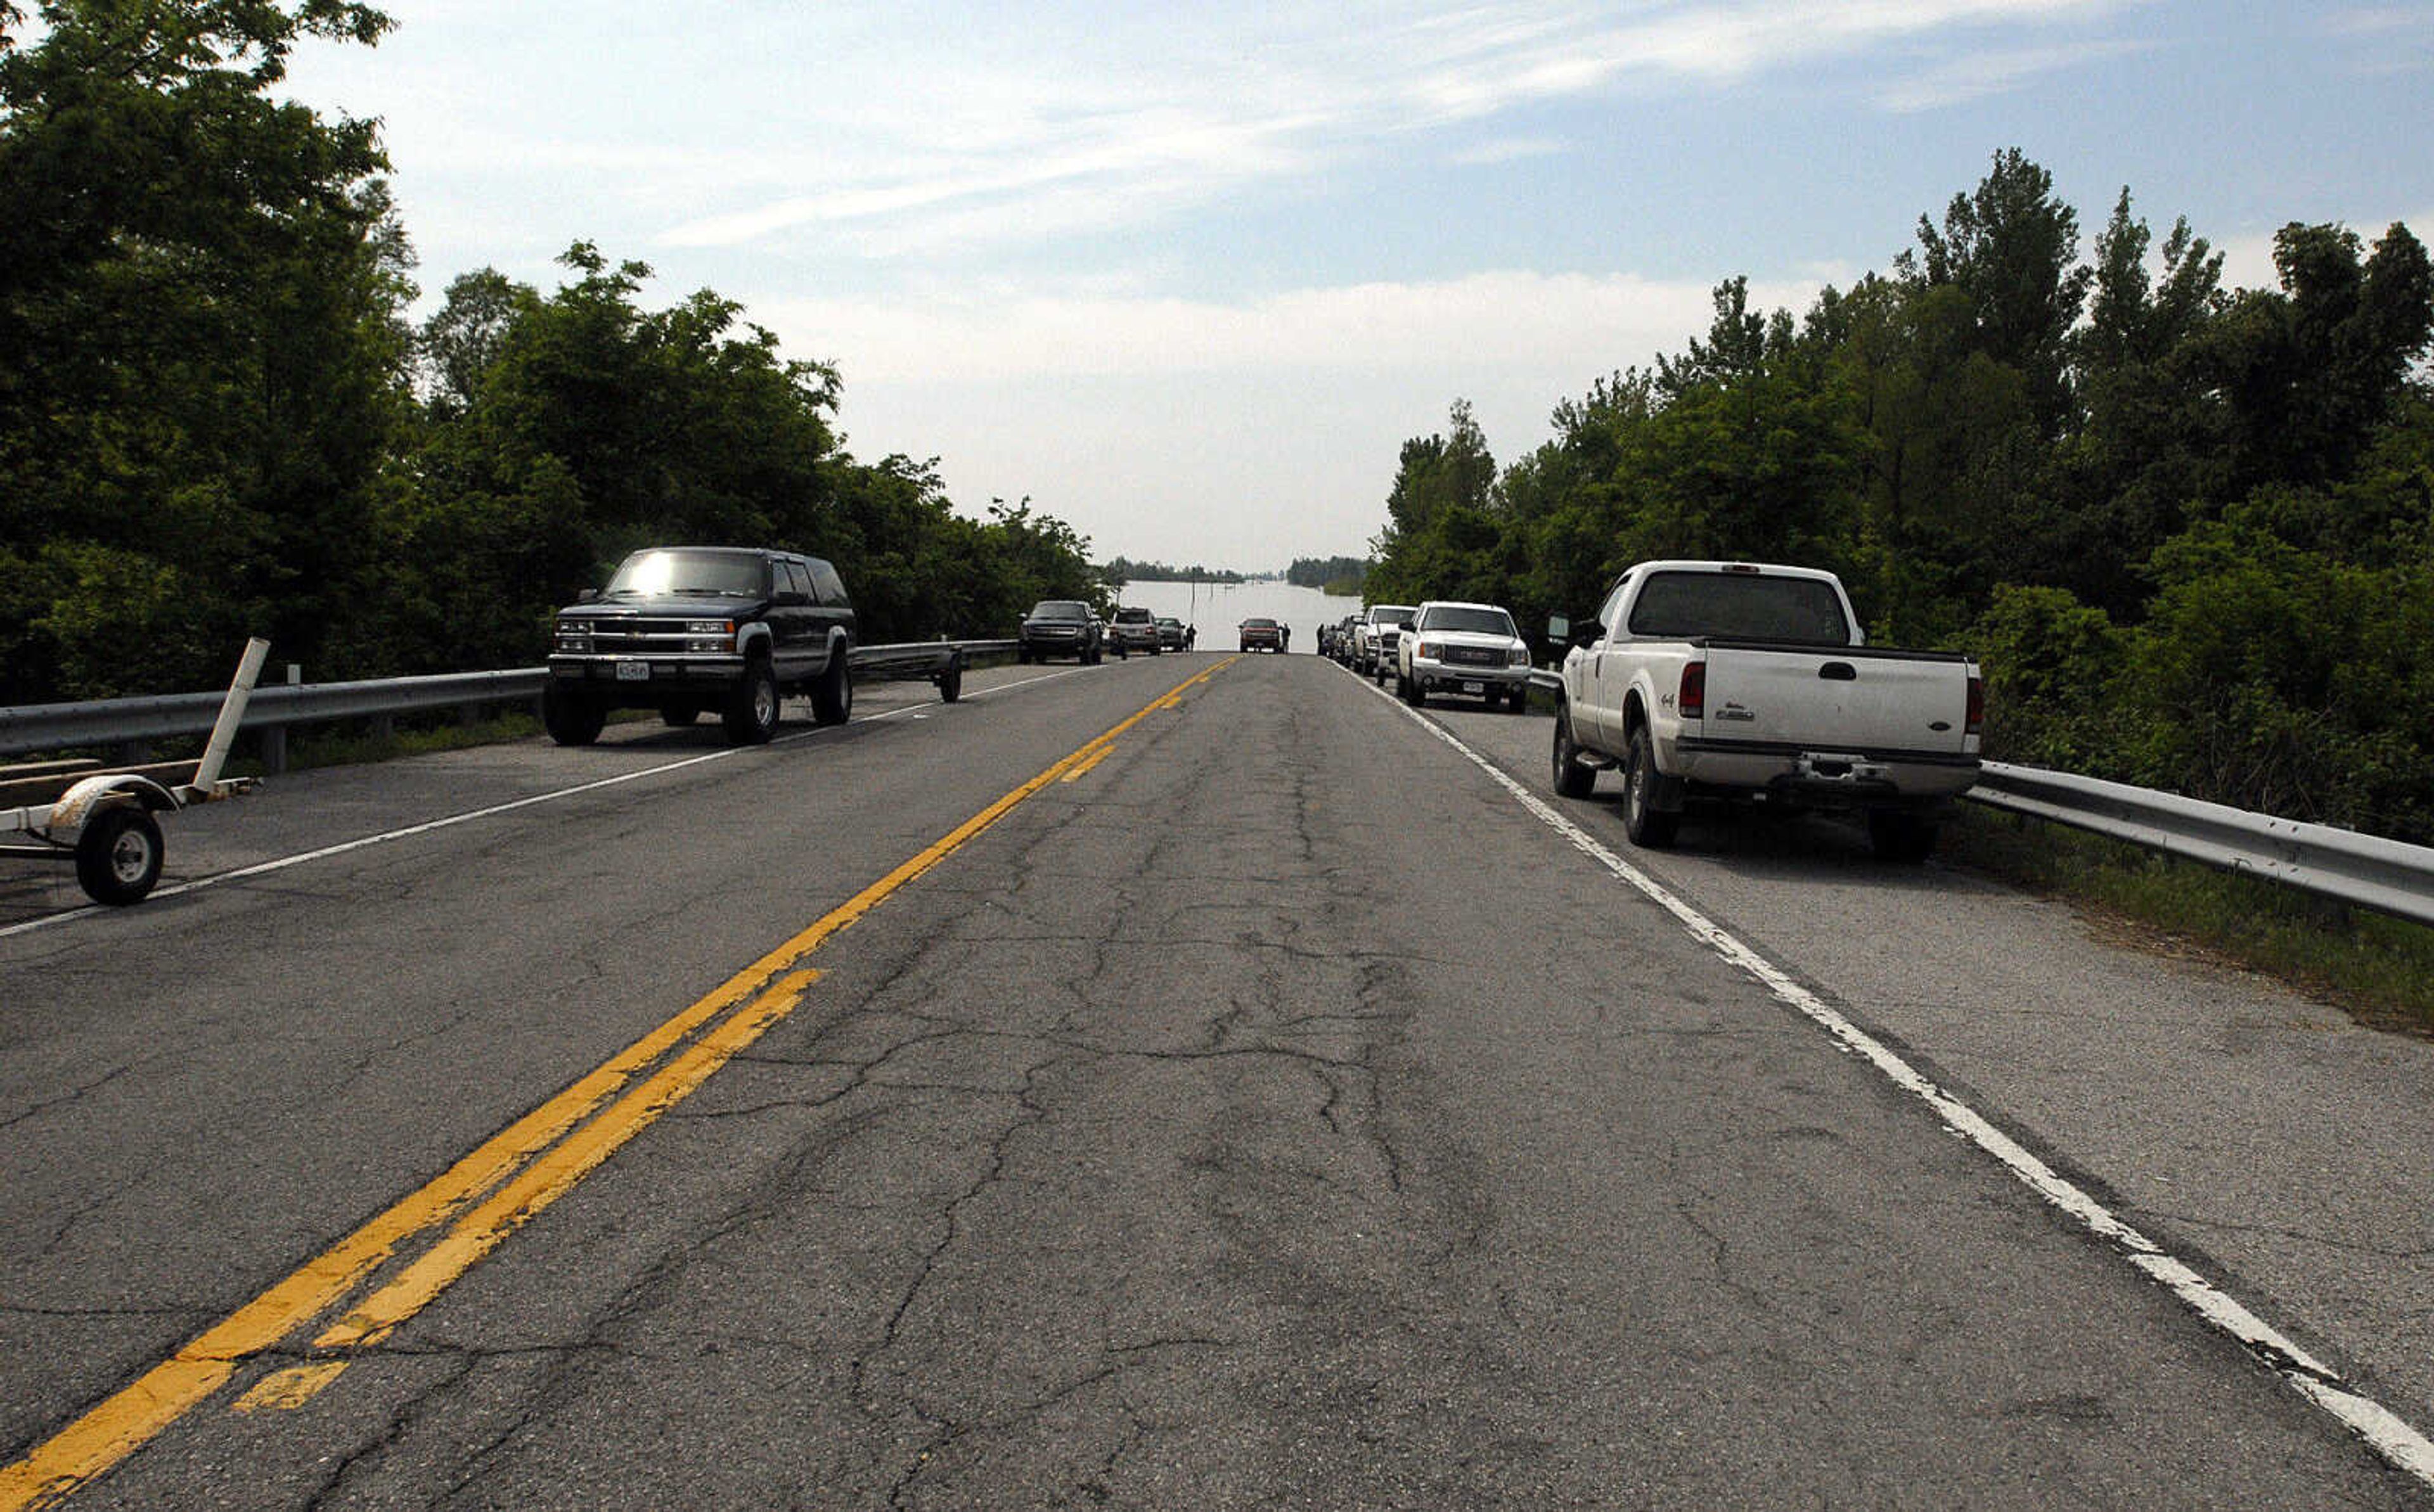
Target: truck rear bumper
1819,777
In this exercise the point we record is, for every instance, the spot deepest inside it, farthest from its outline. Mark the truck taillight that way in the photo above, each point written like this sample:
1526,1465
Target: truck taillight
1977,705
1693,699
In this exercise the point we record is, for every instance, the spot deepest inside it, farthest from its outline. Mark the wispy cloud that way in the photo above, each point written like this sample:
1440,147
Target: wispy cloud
1235,100
1556,323
1978,75
1506,150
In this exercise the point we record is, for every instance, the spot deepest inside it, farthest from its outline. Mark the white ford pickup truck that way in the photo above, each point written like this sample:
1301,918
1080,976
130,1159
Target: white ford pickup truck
1741,681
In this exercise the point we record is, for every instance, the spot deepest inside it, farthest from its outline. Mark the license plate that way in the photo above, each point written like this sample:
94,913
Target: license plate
633,671
1474,687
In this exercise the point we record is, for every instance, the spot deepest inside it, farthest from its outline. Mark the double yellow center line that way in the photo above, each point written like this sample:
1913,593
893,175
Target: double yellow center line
471,1209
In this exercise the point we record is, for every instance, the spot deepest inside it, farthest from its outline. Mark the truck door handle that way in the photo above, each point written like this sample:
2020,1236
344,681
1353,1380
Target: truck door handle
1838,671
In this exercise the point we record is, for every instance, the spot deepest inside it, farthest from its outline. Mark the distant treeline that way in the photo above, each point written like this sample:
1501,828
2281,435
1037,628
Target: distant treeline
1337,574
216,419
2188,529
1124,569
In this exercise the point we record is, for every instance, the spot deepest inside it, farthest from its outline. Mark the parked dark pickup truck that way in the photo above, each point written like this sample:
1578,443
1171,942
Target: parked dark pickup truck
689,629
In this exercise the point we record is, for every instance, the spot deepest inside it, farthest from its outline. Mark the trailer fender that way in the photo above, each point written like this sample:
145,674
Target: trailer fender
80,803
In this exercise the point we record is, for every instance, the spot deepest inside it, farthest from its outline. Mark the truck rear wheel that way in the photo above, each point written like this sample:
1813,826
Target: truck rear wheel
1573,779
1904,839
1648,827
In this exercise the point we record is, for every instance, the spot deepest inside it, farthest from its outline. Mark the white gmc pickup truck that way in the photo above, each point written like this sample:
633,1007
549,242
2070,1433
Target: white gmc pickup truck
1740,681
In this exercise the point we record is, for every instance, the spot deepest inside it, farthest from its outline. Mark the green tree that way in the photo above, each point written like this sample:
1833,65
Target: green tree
2011,249
201,355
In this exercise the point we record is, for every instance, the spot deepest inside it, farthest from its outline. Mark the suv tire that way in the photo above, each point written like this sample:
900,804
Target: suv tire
751,713
833,695
571,717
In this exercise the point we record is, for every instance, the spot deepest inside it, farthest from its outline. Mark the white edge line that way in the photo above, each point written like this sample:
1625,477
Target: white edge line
283,863
2397,1440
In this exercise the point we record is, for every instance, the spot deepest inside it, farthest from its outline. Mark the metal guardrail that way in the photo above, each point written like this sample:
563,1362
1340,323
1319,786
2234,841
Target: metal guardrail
2388,875
123,721
133,722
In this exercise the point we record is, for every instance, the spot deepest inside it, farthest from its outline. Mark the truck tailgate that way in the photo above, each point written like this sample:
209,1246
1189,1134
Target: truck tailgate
1847,700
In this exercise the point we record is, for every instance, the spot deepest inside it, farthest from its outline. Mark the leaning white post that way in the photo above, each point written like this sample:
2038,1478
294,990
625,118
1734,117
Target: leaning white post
207,772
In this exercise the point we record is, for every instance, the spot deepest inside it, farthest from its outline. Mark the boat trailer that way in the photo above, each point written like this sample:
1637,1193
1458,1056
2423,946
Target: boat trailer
111,816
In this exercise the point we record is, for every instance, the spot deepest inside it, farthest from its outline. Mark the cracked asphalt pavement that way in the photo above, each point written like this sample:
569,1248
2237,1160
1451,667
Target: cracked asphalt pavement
1273,1115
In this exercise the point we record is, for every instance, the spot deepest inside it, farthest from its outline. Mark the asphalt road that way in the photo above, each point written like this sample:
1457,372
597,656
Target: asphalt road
1264,1107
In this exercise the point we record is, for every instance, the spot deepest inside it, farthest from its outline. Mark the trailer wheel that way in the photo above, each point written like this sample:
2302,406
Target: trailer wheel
118,855
950,682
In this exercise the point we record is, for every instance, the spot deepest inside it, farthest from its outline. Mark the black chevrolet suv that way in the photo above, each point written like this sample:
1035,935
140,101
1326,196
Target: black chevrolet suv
688,629
1060,627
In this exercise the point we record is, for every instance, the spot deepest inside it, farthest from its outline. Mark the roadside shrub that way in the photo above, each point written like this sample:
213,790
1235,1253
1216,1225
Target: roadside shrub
2054,671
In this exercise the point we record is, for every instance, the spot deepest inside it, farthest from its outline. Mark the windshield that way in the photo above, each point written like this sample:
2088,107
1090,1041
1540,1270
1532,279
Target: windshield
731,574
1740,606
1478,621
1058,609
1388,614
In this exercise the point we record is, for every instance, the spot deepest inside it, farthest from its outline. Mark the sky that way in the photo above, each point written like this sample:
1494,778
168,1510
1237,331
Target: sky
1186,278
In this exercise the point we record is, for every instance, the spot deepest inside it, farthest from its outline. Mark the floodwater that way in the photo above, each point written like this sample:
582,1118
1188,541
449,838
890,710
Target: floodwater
1220,608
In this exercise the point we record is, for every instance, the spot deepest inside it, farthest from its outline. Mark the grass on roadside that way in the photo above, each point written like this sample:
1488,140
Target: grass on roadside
2379,970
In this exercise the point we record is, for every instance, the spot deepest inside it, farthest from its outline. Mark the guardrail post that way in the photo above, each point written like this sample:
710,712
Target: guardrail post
274,740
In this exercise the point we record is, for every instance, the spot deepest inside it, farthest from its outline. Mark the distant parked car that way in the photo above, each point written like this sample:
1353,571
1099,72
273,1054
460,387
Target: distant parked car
1343,647
1171,633
1133,629
1373,640
1060,627
1260,633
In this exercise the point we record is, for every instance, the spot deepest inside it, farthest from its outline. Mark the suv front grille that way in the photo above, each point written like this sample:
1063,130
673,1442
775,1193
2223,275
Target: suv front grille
636,636
1473,657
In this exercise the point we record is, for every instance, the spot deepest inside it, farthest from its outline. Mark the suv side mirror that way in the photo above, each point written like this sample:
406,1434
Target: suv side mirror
1407,624
788,598
588,596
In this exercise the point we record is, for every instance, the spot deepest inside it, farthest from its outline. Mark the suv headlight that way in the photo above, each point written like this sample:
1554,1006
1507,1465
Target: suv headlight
1517,656
710,637
573,635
